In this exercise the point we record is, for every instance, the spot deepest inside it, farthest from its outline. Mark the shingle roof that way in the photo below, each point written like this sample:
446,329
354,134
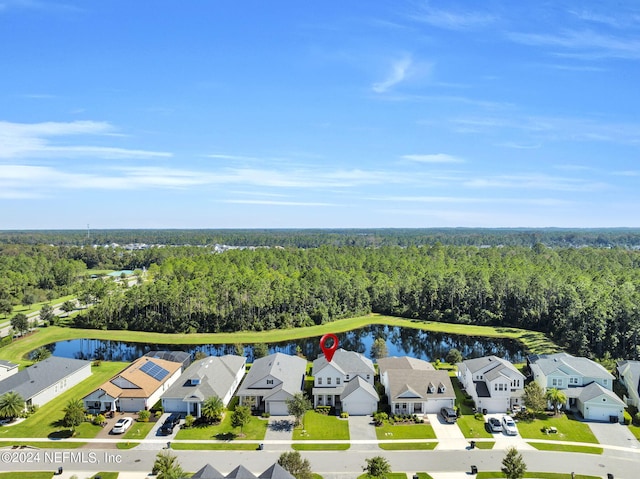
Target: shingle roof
241,472
288,369
594,390
7,364
404,362
276,471
216,374
418,380
175,356
359,383
627,366
570,365
348,362
34,379
208,472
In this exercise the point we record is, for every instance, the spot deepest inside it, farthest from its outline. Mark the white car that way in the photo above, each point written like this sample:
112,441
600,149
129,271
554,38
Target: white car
122,425
509,426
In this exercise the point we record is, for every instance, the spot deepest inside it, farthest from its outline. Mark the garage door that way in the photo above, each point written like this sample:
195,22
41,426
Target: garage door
359,408
600,413
433,406
277,408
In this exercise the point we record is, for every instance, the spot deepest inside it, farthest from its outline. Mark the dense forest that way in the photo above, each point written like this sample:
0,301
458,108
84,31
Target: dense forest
313,238
587,299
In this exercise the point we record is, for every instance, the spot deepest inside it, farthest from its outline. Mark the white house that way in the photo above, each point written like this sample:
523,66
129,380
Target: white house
575,376
213,376
271,381
345,382
629,375
413,386
45,380
494,383
136,388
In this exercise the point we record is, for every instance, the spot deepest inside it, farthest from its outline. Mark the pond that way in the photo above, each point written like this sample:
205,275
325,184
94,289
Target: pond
400,342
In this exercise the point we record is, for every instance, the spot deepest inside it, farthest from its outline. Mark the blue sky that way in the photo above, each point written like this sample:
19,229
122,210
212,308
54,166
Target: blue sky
290,114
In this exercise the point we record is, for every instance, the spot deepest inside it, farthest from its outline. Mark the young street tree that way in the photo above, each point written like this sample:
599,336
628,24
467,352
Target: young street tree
297,406
20,322
534,397
46,314
556,398
166,466
212,409
68,306
11,405
293,463
241,416
377,467
513,464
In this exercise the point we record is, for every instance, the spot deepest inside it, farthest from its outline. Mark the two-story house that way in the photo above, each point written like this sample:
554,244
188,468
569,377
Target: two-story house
413,386
271,381
494,383
587,384
345,382
629,375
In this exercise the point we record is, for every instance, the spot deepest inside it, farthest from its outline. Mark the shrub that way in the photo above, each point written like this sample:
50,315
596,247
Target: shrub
266,415
344,415
189,420
323,410
379,418
89,418
636,419
479,416
158,414
99,420
97,363
144,416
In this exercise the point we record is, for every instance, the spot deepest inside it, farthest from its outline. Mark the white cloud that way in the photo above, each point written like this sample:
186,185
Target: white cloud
277,203
453,20
536,182
433,158
397,74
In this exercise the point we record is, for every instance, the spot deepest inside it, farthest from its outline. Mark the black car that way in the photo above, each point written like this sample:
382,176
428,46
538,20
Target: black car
169,424
448,414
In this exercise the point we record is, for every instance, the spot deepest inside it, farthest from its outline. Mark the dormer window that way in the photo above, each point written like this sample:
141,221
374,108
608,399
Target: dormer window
431,388
269,381
441,389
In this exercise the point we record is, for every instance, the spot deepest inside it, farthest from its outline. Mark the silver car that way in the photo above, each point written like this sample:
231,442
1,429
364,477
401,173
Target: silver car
494,424
122,425
509,426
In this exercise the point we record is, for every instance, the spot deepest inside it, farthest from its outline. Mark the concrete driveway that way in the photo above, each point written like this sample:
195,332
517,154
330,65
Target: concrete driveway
613,434
361,428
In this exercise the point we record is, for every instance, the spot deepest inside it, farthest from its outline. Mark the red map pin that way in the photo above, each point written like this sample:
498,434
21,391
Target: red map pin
329,350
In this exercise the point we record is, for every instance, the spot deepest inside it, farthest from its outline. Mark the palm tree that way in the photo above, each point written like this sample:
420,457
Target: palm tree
212,409
11,405
556,398
73,414
166,466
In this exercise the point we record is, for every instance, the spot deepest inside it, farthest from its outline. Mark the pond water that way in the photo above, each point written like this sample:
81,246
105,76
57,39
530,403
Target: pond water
400,342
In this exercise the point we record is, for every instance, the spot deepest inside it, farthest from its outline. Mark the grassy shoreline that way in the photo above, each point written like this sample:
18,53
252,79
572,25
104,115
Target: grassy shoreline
533,341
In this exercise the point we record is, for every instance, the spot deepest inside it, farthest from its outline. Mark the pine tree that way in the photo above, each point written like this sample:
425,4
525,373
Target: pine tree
513,464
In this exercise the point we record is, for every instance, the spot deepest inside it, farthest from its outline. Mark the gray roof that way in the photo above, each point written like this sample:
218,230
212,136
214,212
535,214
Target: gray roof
34,379
403,381
241,472
477,364
404,362
349,362
288,369
563,362
276,472
359,383
216,374
208,472
175,356
7,364
627,366
594,390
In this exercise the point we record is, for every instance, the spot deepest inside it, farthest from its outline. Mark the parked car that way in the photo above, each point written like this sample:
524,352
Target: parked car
448,414
169,424
494,424
509,426
122,425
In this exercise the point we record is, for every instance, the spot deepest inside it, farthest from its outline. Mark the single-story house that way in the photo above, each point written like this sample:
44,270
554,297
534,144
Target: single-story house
45,380
7,368
494,383
413,386
345,382
213,376
136,388
275,471
596,403
629,375
271,381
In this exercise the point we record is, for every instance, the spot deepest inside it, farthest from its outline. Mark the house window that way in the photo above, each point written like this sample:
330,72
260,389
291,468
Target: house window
397,406
319,381
606,382
328,380
337,380
556,382
442,389
269,381
346,378
368,377
573,380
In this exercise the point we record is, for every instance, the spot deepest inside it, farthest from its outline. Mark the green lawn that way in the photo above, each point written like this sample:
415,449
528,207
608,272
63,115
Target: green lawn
320,447
321,427
46,421
138,430
535,342
635,430
26,475
424,475
254,431
460,397
568,429
408,446
536,475
391,475
402,431
215,446
473,428
545,446
127,445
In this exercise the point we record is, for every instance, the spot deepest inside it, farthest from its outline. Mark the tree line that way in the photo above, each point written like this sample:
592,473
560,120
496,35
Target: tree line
586,299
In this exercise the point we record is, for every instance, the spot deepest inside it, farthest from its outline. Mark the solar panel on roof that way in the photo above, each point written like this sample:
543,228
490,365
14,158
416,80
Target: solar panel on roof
153,370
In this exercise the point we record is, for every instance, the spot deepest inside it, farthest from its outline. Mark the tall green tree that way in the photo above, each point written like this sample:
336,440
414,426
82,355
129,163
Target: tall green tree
513,465
6,307
68,306
73,414
297,406
212,409
11,405
379,348
557,398
293,463
453,356
533,397
20,323
46,313
260,350
40,354
166,466
377,467
241,416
